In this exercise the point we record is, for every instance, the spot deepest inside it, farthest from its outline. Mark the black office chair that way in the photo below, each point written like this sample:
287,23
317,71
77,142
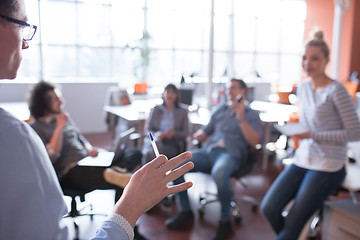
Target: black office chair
246,168
74,212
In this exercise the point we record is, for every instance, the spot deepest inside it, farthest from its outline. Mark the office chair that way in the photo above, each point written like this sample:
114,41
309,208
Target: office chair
74,212
246,168
115,96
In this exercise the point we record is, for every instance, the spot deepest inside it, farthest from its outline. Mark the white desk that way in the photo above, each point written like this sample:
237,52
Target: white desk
200,117
18,109
271,113
137,110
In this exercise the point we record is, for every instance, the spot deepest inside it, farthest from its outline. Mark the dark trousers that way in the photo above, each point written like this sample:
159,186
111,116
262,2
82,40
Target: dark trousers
89,178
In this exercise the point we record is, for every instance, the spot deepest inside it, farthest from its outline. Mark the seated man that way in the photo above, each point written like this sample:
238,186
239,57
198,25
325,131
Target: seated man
66,145
233,127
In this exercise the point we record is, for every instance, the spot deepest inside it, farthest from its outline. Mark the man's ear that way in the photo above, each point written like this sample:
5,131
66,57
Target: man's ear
243,91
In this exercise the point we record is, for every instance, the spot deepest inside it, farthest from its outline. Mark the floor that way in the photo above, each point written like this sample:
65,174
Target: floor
252,227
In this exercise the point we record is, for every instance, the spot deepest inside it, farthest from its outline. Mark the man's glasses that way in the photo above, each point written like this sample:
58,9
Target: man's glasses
28,30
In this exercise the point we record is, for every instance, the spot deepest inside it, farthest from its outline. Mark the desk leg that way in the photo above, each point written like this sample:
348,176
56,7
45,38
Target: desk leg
354,198
265,153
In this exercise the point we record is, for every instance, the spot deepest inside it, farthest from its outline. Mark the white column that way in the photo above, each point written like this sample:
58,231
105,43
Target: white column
211,58
341,6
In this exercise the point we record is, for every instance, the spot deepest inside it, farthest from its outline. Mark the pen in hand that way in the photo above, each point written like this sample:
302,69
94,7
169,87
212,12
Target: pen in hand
154,145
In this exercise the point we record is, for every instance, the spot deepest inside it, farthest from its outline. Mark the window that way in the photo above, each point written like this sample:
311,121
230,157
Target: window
102,40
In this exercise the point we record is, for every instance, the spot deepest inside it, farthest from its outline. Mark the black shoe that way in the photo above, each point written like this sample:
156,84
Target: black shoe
137,235
180,220
223,231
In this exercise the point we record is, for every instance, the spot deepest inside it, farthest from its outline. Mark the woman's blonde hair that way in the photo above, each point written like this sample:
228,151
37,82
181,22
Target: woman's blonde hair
318,41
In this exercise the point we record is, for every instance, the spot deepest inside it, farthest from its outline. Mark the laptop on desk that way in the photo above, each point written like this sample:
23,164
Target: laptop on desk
106,158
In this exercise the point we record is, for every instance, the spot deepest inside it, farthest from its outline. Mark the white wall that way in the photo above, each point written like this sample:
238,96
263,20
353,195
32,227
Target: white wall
84,101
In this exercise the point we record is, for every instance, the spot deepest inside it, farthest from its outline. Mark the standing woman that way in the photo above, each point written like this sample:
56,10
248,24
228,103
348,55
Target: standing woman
170,125
327,112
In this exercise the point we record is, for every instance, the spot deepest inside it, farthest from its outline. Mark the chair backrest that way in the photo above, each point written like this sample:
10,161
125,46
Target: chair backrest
186,96
248,165
116,96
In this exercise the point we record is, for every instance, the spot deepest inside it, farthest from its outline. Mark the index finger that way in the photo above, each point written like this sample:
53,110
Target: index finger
176,161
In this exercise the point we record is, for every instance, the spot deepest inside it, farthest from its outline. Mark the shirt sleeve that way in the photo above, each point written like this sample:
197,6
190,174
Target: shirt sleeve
349,119
115,227
210,127
150,123
255,122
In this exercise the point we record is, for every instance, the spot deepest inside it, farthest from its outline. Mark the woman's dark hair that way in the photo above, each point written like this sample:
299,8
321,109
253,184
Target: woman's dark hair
318,41
9,7
173,88
39,99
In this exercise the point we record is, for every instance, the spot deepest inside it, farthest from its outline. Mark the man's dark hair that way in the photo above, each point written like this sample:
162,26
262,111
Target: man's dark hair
39,99
9,7
240,82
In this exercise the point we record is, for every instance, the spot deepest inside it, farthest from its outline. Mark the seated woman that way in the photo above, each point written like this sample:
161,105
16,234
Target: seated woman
169,124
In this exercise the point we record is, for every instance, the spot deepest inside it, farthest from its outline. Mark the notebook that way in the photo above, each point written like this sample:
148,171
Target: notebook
106,158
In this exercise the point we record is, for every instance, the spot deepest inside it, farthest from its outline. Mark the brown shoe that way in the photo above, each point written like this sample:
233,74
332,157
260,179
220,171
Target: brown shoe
117,178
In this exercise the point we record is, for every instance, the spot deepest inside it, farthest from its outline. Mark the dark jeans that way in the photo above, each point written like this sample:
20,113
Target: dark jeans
89,178
308,188
221,165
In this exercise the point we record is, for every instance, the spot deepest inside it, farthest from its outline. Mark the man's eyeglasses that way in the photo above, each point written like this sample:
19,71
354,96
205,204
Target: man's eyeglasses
28,30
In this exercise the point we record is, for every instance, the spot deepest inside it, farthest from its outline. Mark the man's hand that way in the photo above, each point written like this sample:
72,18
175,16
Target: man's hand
61,120
199,135
170,133
149,185
93,152
239,109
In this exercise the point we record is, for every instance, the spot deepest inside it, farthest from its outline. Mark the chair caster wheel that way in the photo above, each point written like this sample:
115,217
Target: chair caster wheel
238,220
254,208
201,214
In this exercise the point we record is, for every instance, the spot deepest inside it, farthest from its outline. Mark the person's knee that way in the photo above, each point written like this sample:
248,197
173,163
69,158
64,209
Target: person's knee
219,177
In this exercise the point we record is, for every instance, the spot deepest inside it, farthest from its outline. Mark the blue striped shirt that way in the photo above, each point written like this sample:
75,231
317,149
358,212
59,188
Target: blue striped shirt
331,117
